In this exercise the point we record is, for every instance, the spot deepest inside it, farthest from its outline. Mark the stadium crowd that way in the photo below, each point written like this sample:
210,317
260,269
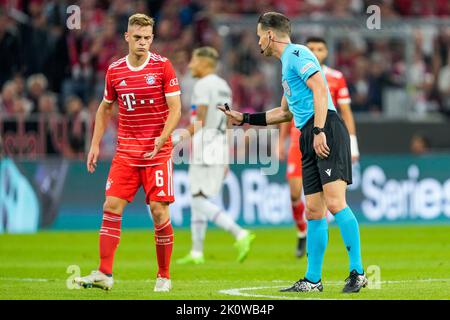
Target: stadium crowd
47,69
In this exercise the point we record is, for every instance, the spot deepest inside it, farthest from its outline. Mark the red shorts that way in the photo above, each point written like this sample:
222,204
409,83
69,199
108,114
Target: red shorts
124,181
294,162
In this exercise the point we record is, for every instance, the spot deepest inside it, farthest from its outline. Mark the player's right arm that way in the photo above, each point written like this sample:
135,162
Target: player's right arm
201,98
102,118
201,112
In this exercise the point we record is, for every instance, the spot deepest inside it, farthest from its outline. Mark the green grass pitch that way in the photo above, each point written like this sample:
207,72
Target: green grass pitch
414,263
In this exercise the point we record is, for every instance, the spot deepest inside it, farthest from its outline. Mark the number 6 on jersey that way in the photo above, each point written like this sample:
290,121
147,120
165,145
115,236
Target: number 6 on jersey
159,178
162,177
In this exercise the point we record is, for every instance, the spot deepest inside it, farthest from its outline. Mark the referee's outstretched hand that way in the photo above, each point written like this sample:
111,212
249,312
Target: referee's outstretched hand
234,116
320,145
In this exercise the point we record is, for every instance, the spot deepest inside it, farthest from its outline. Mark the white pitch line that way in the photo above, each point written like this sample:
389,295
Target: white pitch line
237,291
26,279
331,283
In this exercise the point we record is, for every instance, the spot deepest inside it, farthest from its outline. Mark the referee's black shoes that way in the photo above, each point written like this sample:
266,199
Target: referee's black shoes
303,285
355,282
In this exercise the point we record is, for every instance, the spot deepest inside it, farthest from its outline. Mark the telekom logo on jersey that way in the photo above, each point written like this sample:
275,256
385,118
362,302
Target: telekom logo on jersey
130,101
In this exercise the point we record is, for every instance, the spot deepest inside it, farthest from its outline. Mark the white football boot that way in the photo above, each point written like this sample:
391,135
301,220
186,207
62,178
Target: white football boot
96,279
163,285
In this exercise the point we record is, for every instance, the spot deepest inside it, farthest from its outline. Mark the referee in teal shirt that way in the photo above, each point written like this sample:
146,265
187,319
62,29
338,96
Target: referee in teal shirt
325,147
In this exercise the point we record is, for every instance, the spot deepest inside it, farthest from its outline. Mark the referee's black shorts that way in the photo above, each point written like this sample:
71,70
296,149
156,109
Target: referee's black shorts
338,166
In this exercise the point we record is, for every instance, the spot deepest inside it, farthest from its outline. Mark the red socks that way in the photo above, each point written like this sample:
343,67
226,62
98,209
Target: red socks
164,245
109,240
299,217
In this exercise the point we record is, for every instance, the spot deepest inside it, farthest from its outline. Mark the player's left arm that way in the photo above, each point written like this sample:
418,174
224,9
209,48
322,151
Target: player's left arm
347,116
173,99
343,100
174,104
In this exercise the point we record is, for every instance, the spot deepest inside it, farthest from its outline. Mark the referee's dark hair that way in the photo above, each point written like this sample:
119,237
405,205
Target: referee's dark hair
275,21
316,39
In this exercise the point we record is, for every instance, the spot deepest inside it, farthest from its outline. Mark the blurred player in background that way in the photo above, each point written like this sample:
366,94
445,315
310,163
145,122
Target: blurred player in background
209,160
338,90
146,88
341,98
325,146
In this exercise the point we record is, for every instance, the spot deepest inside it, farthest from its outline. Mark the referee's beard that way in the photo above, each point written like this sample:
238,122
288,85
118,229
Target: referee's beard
268,52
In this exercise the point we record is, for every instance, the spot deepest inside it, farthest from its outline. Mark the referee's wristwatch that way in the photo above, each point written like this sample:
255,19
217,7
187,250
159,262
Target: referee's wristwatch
317,130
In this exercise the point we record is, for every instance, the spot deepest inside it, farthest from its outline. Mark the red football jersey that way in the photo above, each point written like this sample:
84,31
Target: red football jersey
141,93
295,136
338,86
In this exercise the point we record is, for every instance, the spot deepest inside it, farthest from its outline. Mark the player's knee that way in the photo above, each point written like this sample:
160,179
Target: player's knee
160,213
335,204
156,210
313,212
295,196
197,202
310,215
113,206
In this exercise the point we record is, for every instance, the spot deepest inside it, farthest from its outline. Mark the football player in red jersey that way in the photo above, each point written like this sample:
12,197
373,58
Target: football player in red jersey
341,99
146,88
338,89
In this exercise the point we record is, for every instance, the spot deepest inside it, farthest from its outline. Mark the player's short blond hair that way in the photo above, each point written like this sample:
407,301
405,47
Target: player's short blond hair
140,19
207,52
